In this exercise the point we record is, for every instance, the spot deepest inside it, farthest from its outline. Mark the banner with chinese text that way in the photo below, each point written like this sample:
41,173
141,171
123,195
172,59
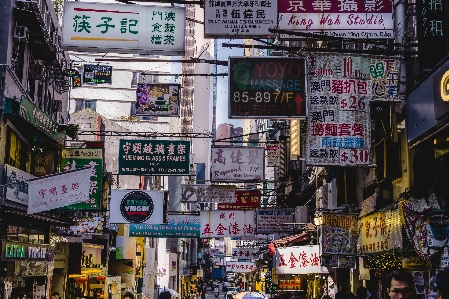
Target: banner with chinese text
154,157
269,220
299,260
350,19
77,158
237,164
339,234
208,193
244,200
112,27
58,190
245,253
240,267
16,187
229,223
340,88
179,226
379,232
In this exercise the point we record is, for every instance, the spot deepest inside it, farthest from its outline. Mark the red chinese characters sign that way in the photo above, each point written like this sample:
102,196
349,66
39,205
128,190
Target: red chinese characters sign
245,253
340,89
227,223
299,260
240,267
244,200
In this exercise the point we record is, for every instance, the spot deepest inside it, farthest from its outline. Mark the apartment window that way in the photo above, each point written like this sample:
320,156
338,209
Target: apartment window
83,104
15,152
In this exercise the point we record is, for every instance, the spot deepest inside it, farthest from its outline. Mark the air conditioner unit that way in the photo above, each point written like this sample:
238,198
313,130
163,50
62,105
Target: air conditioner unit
21,34
36,70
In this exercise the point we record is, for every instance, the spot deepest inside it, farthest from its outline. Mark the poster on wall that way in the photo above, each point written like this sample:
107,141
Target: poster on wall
340,89
299,260
136,206
349,19
157,99
17,184
112,27
237,164
228,223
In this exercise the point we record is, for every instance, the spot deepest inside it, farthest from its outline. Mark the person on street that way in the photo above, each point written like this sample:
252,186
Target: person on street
443,282
399,284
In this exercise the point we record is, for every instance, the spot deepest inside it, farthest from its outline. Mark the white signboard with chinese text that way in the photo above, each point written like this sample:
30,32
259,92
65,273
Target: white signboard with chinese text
237,164
17,184
208,193
107,27
241,267
380,232
227,223
136,206
338,18
224,18
340,89
245,253
270,220
299,260
59,190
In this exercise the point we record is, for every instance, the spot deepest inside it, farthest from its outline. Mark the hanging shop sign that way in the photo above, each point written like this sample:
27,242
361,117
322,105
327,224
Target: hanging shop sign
58,190
38,118
292,284
76,81
299,260
94,73
240,267
229,223
273,155
25,251
178,226
154,157
105,27
339,234
261,87
245,253
225,19
77,158
340,88
380,232
87,225
270,220
208,193
16,186
350,19
157,99
244,200
136,206
237,164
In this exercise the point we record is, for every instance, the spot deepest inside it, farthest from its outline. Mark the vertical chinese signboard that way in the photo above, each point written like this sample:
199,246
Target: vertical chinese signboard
299,260
229,223
340,88
77,158
350,19
120,28
273,155
224,19
244,200
154,157
339,234
237,164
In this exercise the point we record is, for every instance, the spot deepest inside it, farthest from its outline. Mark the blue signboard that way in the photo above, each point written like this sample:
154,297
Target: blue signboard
178,226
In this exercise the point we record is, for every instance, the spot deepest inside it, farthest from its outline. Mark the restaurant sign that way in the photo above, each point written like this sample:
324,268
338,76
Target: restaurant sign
208,193
178,226
380,232
107,27
337,18
244,200
154,157
16,187
25,251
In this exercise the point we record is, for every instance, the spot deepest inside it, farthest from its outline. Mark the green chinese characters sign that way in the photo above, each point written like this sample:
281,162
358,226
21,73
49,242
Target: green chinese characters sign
76,158
154,157
112,27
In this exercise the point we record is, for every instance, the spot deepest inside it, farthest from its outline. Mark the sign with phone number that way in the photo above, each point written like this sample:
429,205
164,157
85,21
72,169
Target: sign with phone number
262,87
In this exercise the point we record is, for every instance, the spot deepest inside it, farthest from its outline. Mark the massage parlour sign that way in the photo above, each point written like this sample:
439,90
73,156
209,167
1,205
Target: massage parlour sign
24,251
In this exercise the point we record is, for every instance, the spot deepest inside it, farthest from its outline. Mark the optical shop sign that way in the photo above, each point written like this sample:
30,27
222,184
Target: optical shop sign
380,232
154,157
177,227
123,28
340,89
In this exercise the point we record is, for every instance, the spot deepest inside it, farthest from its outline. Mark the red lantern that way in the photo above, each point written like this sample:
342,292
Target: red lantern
81,280
101,277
